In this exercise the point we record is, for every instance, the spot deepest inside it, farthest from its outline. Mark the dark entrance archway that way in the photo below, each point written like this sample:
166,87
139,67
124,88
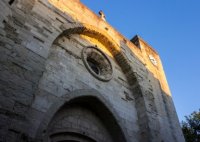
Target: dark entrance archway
84,119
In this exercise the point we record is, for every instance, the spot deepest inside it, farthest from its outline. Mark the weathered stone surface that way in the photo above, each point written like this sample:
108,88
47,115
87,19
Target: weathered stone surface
47,93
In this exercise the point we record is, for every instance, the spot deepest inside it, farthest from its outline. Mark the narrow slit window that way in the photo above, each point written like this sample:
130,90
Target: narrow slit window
11,2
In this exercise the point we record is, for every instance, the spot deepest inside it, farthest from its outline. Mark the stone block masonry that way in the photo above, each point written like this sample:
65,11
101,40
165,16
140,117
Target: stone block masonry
67,75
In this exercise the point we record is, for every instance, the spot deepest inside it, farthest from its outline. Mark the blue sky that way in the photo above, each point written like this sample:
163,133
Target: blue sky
172,27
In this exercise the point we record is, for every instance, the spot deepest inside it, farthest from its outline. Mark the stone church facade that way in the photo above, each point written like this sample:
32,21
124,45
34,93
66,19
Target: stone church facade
67,76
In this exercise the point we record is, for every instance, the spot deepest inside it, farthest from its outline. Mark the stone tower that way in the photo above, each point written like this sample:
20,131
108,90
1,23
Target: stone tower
67,76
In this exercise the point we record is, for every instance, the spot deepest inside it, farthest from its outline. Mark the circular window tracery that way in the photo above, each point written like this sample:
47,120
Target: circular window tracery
97,63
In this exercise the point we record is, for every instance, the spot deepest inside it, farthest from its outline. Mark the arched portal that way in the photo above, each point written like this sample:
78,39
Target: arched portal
82,118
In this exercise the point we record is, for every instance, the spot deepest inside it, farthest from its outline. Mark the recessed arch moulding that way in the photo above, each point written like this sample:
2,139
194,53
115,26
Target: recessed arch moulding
93,117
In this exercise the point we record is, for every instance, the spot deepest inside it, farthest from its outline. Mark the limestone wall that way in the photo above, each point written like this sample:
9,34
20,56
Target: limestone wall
42,69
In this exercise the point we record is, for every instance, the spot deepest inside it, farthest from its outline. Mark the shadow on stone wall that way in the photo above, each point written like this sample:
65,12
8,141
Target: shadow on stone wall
22,67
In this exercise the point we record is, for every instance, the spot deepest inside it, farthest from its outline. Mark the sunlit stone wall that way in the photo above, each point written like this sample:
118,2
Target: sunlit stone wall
43,72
